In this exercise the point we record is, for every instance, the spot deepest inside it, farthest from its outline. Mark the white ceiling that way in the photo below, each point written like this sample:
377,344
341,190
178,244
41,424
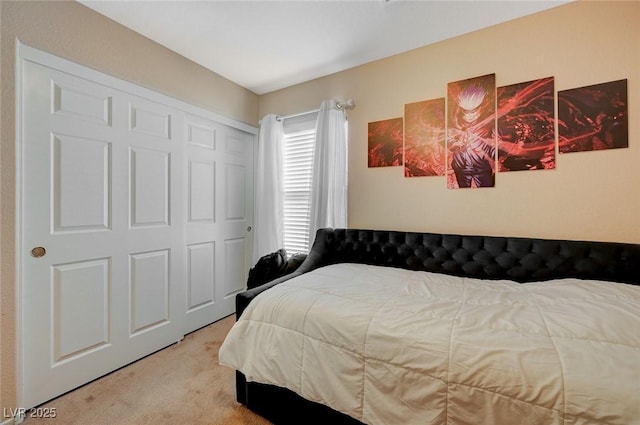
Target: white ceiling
268,45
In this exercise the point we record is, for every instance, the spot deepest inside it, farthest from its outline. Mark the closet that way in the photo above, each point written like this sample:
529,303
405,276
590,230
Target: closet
135,213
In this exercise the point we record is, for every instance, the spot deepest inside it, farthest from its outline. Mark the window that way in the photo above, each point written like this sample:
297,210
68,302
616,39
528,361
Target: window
297,149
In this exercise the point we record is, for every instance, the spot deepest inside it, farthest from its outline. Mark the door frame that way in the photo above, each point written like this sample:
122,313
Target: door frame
26,53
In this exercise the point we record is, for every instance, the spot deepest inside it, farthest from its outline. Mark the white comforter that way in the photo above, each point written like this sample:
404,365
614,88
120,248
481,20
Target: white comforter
391,346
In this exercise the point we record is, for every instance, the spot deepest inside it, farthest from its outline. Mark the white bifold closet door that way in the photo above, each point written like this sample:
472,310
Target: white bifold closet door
218,217
135,225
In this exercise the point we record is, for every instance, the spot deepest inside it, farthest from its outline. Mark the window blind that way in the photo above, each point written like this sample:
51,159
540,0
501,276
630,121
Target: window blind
298,145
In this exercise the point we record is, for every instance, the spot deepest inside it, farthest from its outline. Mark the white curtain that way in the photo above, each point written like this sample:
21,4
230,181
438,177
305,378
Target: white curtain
268,207
329,176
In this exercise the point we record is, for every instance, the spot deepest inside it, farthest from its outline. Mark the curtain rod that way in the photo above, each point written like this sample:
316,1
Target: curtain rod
348,104
279,118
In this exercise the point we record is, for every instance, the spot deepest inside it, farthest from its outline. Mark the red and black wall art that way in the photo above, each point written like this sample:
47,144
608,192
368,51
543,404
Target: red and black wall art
385,143
424,135
526,134
471,141
479,130
593,117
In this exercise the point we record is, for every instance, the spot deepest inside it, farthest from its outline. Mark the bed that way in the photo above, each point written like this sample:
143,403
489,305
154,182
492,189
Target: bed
389,327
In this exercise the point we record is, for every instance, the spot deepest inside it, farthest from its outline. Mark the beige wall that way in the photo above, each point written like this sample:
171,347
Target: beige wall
72,31
590,195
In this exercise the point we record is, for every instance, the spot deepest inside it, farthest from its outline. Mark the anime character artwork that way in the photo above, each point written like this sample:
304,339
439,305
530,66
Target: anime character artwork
471,142
526,135
385,143
593,117
424,153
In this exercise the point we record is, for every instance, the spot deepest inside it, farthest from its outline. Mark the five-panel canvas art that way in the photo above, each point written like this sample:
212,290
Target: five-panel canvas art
479,129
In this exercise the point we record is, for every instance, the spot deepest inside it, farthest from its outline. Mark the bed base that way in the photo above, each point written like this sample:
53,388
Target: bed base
284,407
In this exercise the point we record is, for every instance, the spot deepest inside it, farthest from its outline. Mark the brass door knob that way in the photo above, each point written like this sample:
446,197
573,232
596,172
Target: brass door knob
38,252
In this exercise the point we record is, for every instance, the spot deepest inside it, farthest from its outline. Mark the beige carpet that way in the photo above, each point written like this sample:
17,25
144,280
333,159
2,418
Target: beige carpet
182,384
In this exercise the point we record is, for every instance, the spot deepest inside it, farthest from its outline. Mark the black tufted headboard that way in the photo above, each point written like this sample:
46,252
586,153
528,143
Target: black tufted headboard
484,257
